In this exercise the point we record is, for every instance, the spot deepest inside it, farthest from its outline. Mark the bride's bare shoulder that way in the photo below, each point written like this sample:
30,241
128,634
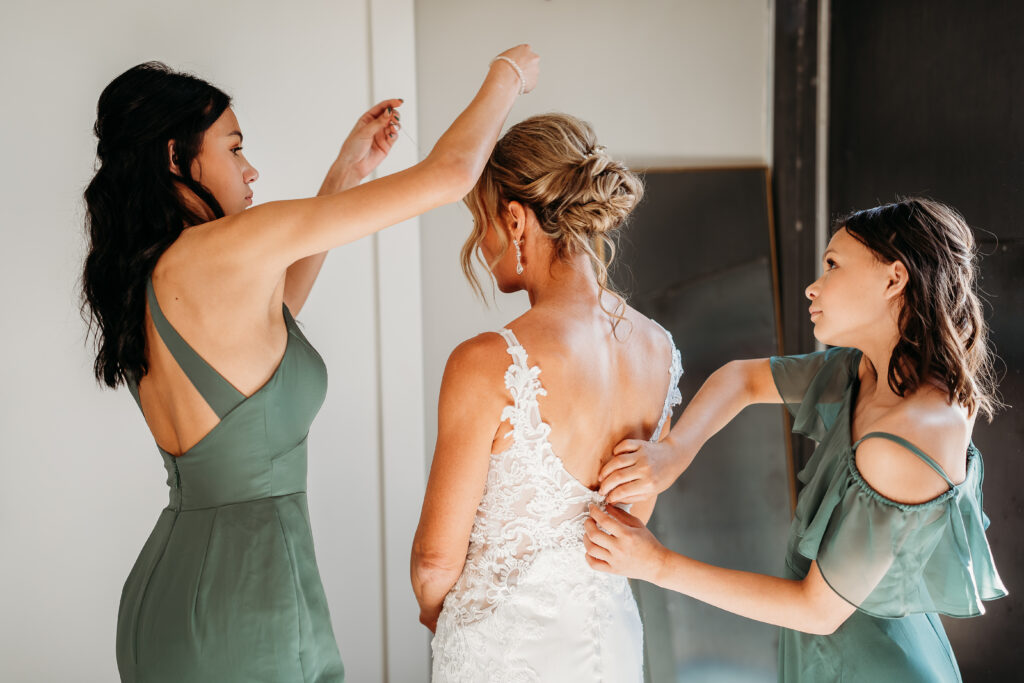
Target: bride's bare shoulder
477,367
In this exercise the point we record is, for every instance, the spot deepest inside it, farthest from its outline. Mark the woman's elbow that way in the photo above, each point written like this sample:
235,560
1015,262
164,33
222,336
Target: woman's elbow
455,175
430,570
824,620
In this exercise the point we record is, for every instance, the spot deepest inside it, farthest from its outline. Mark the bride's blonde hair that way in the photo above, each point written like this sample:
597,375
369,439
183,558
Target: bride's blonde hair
553,164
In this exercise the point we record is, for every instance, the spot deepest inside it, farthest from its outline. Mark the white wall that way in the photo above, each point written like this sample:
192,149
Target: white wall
666,83
82,482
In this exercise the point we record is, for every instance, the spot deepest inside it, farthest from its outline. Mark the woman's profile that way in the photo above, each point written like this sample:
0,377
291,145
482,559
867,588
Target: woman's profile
192,299
888,530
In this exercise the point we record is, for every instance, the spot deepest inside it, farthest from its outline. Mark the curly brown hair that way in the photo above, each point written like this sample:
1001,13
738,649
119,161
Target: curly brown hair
943,334
580,195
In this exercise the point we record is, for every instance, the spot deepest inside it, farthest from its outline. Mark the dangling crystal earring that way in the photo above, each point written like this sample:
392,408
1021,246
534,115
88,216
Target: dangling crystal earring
519,258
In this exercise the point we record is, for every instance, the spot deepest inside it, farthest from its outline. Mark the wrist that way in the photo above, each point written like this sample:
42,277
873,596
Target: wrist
340,177
682,454
660,566
510,71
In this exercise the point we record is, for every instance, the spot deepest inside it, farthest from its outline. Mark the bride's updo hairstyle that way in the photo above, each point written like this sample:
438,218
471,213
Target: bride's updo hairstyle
943,335
581,196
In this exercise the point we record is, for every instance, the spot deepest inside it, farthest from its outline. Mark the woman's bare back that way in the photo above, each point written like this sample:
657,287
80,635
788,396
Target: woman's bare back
602,387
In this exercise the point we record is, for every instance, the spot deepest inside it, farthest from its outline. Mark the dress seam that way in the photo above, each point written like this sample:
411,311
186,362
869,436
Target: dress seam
145,592
202,567
295,593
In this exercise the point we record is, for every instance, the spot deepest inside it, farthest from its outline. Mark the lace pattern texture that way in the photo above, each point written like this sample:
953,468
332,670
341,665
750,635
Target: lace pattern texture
527,538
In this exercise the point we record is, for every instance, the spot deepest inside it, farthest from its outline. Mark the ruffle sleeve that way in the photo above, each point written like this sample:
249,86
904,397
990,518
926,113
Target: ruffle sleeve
813,387
891,559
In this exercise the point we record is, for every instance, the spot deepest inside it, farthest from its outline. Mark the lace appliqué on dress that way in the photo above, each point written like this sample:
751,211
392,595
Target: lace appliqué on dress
526,561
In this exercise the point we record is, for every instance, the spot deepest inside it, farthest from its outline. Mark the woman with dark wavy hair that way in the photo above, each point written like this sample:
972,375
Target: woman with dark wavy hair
191,298
888,530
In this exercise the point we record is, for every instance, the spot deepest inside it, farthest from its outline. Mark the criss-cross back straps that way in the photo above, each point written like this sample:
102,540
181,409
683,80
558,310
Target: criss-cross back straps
910,447
211,385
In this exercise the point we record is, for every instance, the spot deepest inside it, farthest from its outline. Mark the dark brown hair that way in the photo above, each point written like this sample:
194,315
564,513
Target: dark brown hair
134,207
943,334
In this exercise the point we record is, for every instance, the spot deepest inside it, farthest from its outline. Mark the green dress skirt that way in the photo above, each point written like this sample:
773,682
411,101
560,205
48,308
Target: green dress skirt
227,588
899,565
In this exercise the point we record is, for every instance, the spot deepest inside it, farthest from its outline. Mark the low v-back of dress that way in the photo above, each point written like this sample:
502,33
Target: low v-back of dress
527,606
226,587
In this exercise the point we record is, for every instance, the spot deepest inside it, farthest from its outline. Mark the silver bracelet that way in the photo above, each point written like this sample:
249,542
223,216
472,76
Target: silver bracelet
519,72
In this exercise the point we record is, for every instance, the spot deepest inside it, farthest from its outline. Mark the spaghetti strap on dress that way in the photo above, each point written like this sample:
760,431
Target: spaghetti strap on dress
226,588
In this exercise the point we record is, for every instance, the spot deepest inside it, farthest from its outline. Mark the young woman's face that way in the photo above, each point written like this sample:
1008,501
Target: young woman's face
221,167
851,303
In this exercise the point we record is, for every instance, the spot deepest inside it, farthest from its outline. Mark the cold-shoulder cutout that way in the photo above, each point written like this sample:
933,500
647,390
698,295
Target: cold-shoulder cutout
899,470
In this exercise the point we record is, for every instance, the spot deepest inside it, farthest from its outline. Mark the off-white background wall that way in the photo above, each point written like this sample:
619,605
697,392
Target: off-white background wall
666,83
81,482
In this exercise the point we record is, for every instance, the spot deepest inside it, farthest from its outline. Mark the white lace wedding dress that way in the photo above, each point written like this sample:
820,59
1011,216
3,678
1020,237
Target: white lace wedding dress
527,606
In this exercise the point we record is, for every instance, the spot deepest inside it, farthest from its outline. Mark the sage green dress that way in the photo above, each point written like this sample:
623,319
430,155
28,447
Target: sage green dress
899,565
227,588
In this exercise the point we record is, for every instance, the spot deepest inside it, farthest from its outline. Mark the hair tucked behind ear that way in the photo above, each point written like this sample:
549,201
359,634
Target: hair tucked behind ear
134,209
942,328
553,164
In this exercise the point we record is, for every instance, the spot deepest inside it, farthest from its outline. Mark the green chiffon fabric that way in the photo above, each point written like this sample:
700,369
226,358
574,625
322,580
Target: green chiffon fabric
899,565
226,588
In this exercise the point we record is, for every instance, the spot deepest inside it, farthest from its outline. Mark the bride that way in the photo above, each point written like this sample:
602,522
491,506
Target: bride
527,416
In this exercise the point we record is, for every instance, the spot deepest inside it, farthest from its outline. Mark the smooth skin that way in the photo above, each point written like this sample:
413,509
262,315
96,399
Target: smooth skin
569,336
221,284
856,303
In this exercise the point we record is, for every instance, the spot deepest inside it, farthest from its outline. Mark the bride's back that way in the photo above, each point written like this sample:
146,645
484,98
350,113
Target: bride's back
601,386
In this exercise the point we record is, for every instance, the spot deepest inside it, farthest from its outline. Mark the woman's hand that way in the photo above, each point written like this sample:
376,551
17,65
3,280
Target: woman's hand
619,543
526,59
639,470
366,146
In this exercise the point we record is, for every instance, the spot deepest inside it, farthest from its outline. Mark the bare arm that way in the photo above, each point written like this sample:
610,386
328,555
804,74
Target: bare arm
622,545
641,468
365,147
267,239
469,412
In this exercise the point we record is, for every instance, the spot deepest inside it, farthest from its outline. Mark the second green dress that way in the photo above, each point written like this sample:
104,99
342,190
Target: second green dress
899,565
227,589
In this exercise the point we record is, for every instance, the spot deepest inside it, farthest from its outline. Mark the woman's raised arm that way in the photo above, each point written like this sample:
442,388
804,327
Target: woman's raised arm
277,234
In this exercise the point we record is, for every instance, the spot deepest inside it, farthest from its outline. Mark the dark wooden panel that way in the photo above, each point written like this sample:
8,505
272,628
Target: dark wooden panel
926,98
794,175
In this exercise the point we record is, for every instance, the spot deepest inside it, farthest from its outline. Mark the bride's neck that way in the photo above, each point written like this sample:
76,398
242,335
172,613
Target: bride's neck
565,283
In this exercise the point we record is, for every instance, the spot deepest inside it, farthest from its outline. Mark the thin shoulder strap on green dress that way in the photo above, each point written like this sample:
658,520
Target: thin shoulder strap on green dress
211,385
910,447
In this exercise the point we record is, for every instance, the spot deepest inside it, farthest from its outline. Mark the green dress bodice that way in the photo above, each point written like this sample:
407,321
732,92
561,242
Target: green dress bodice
899,565
226,588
